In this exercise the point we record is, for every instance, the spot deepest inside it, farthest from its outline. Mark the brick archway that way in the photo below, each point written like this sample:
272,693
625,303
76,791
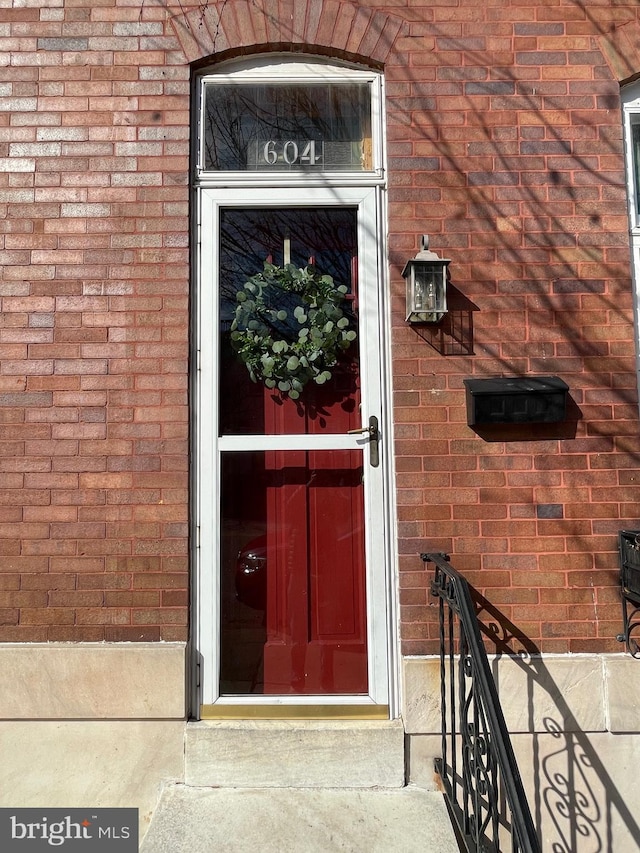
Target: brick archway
621,49
237,27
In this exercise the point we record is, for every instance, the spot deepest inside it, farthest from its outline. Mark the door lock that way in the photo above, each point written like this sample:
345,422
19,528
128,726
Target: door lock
374,439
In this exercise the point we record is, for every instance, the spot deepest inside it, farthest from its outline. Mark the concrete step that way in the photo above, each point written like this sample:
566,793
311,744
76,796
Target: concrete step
299,820
295,754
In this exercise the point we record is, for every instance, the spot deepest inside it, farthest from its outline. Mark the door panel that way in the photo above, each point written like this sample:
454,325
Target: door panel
315,608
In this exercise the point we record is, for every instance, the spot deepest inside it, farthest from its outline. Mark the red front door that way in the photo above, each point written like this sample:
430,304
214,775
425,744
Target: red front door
293,600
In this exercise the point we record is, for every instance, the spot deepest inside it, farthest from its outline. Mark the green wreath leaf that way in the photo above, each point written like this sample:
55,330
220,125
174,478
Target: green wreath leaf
292,328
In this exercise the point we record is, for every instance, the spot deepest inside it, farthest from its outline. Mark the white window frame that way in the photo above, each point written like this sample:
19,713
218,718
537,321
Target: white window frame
278,68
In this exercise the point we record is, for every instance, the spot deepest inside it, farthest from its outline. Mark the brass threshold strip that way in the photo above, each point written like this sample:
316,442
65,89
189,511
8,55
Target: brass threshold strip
294,712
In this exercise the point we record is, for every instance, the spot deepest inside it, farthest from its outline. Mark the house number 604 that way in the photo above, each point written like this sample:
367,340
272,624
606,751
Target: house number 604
291,152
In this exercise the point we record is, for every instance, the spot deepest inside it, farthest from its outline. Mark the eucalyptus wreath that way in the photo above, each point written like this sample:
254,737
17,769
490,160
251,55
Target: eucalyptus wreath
290,326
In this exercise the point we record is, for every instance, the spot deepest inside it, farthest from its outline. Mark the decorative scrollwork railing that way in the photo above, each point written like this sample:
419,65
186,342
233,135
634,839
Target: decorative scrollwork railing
478,768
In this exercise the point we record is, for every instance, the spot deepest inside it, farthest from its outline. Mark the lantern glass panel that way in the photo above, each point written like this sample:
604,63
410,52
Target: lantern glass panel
426,292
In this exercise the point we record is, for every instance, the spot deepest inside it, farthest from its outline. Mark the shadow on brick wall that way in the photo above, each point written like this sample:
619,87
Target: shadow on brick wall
453,335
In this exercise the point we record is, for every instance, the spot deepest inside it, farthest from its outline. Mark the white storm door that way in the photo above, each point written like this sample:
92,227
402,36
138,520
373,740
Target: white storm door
293,531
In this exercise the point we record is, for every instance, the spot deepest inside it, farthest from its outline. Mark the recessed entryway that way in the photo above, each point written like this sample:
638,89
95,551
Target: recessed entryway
292,536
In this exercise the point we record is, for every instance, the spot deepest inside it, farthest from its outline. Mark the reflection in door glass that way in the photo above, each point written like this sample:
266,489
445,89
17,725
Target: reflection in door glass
323,240
292,579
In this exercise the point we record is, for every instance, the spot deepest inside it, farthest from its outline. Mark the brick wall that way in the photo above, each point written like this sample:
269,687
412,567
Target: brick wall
94,130
504,137
505,146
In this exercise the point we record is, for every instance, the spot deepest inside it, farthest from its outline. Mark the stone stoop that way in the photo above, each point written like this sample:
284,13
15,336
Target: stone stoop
300,820
295,754
297,786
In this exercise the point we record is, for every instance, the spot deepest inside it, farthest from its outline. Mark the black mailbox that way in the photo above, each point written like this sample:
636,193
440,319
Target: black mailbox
516,400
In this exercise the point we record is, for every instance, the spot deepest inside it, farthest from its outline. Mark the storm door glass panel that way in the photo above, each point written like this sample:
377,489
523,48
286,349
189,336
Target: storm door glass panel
323,240
307,127
292,554
292,585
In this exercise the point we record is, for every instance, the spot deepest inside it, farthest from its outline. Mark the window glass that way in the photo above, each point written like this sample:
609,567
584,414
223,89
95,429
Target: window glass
287,127
322,239
292,586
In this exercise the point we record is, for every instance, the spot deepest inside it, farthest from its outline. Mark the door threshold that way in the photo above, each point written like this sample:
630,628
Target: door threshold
294,712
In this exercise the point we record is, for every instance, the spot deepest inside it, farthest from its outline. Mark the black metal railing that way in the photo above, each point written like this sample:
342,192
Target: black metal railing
629,549
478,769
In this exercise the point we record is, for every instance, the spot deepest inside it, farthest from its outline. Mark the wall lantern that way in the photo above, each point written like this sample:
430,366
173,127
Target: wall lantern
426,277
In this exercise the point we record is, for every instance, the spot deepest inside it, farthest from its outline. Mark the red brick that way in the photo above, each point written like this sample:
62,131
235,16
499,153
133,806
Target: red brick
137,634
103,616
163,616
104,581
47,616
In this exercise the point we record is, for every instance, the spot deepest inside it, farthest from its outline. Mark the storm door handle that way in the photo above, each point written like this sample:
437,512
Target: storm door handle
374,440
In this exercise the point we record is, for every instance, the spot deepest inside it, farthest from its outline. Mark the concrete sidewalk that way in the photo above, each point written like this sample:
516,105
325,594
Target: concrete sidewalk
299,820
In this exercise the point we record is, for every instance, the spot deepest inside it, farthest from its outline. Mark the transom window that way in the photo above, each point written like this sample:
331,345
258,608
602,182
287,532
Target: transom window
290,118
283,126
